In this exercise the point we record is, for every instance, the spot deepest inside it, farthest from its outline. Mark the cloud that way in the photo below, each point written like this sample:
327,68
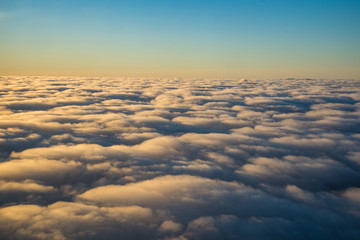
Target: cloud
25,186
163,158
353,194
47,171
174,190
64,220
170,226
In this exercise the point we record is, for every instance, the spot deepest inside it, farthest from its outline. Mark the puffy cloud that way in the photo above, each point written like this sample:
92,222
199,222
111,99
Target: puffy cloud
25,186
27,191
177,191
170,226
47,171
353,194
79,152
164,158
65,220
310,173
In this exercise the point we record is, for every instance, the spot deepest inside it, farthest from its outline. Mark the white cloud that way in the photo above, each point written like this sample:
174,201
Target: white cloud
98,158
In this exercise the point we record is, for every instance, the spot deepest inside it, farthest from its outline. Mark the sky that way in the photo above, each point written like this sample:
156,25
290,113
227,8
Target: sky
212,38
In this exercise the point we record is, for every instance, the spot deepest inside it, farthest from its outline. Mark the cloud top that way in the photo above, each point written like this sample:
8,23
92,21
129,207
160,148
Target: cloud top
110,158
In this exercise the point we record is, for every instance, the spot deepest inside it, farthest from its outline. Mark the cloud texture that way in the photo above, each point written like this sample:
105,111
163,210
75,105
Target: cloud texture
114,158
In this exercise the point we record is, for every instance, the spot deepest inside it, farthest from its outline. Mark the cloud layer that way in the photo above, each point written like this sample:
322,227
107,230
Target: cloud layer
116,158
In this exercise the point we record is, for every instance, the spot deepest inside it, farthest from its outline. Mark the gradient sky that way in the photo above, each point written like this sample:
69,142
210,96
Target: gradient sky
203,38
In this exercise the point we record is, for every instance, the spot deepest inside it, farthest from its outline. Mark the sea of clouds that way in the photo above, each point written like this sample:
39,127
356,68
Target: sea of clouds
121,158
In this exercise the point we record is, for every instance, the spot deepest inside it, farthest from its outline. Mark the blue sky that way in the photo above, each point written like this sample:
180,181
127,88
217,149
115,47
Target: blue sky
244,38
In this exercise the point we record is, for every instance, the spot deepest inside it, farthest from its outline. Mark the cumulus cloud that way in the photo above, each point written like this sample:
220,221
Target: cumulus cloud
65,220
163,158
43,170
25,186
